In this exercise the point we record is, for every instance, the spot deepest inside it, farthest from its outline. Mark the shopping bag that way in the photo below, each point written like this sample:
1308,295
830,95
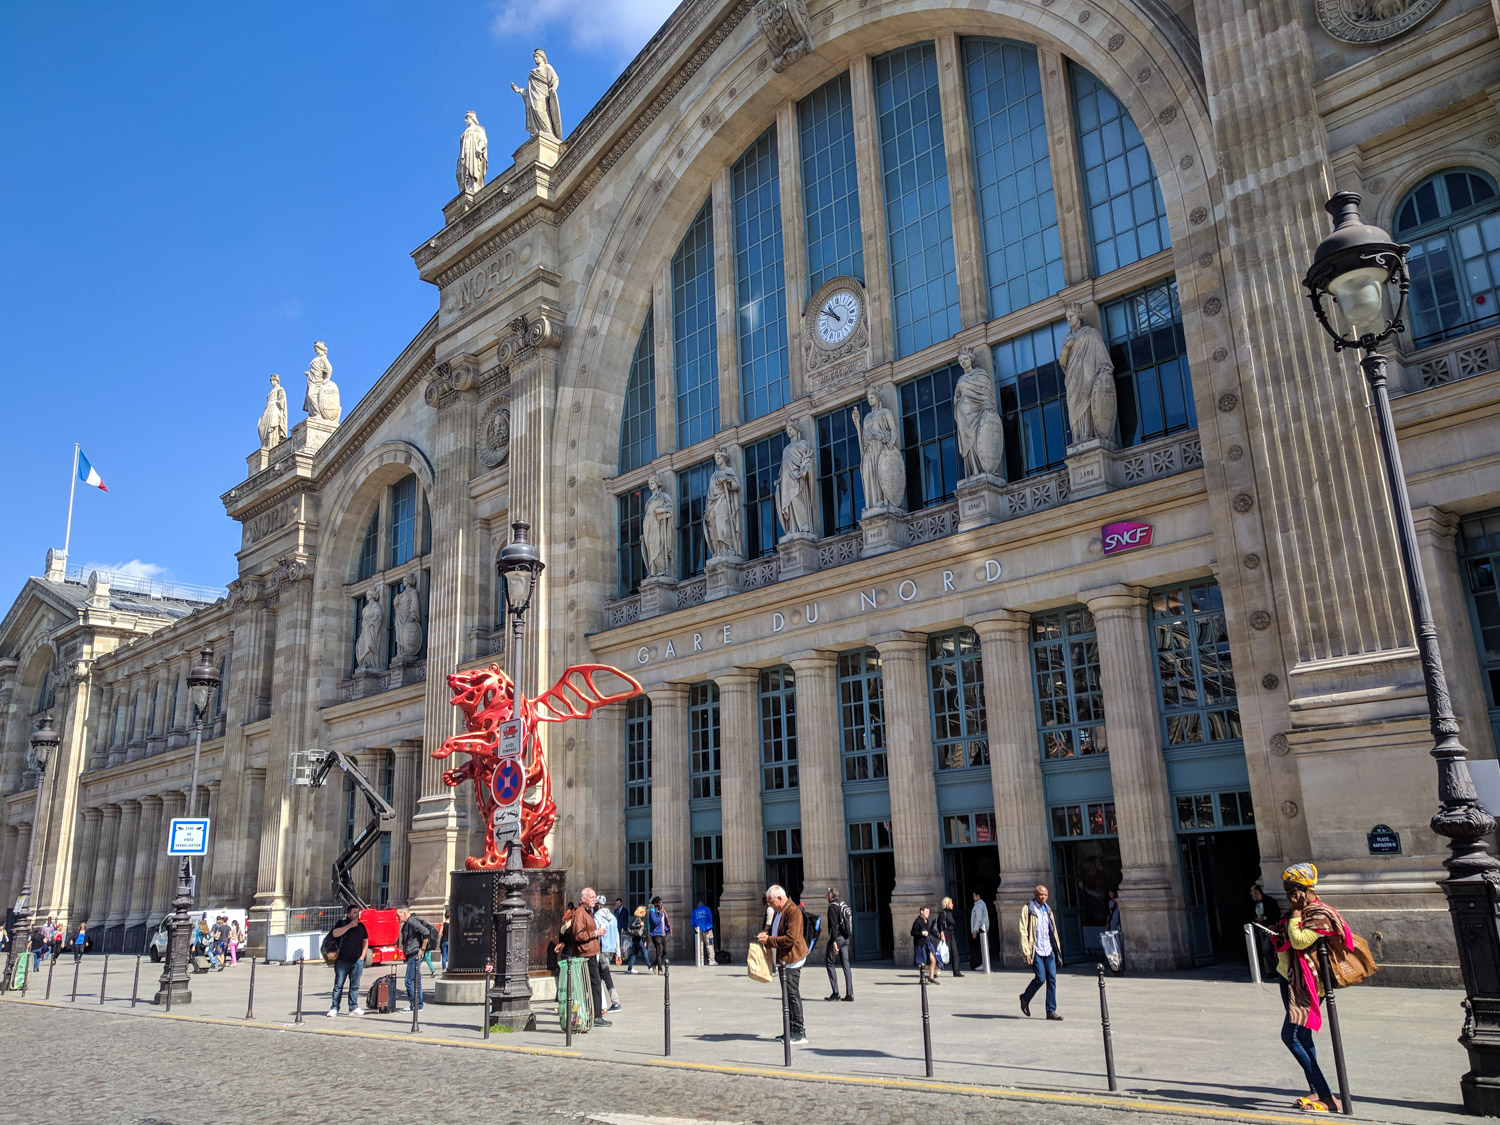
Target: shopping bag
757,965
942,951
1114,954
575,994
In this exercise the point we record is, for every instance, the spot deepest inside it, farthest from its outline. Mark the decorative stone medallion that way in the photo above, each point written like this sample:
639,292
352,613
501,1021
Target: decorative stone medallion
1243,503
1227,402
1260,620
1234,453
1280,744
1252,560
1270,681
1289,809
493,438
1372,21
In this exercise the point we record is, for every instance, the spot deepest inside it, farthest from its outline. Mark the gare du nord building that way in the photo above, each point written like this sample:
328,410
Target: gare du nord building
969,690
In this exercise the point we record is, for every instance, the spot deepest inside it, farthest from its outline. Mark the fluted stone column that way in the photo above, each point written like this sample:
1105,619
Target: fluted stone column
1015,769
1437,539
104,861
151,842
208,868
820,774
671,826
741,912
1150,884
908,739
164,877
17,872
86,857
124,865
408,766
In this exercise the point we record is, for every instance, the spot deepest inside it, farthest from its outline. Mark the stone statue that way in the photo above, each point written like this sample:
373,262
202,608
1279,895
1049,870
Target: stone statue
371,627
794,488
981,436
322,393
722,525
656,531
473,155
1089,380
408,619
881,467
272,427
543,118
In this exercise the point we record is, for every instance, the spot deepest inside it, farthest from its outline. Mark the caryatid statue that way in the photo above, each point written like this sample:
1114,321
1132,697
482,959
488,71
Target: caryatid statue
272,425
371,628
407,613
881,466
656,531
1089,380
543,117
794,487
722,526
473,155
322,393
981,435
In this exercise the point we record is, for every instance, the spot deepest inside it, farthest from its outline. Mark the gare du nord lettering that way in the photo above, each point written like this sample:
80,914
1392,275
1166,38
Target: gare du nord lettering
837,607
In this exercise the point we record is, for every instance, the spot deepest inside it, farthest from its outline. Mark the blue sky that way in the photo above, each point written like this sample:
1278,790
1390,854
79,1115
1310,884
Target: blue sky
192,193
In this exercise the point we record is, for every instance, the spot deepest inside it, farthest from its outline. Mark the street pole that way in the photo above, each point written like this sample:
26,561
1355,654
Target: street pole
173,986
43,742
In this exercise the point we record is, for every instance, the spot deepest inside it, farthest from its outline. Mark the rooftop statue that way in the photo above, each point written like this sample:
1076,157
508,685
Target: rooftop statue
473,155
543,118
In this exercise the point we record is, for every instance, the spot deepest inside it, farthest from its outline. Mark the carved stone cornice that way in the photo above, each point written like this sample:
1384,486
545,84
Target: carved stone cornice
287,571
786,29
451,378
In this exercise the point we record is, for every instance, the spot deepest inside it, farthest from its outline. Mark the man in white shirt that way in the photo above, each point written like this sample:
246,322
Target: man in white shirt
1042,949
979,932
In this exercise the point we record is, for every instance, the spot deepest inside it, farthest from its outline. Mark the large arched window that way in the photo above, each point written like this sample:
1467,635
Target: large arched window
394,554
1452,220
638,421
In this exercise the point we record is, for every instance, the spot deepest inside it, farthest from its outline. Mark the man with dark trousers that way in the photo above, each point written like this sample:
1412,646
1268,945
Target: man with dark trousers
785,938
840,932
581,932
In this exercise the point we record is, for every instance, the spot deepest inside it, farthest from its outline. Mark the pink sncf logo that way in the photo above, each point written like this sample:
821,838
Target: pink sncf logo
1125,536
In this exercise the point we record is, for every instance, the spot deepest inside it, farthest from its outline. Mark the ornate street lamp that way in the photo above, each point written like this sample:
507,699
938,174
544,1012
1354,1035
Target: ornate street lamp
44,741
1357,285
520,566
172,988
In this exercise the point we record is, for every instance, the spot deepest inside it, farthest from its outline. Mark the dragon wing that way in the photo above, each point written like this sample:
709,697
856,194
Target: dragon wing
577,696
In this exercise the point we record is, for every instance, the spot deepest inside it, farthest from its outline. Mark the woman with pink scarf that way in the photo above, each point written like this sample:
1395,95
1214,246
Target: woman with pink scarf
1309,921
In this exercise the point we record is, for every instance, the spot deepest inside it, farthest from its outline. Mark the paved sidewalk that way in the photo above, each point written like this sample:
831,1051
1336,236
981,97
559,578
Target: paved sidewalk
1203,1040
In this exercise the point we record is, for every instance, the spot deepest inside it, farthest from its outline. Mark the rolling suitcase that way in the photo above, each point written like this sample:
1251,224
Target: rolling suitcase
382,996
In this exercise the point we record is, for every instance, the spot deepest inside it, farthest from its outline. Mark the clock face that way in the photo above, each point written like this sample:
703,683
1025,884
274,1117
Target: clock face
838,317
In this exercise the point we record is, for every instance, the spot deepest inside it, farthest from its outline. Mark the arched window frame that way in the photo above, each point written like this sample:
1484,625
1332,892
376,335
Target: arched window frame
1454,261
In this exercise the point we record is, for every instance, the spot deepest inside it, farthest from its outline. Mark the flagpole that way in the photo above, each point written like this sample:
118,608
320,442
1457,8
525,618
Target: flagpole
72,487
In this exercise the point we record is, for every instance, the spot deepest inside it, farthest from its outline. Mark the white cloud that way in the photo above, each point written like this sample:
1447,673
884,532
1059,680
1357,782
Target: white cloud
616,28
135,568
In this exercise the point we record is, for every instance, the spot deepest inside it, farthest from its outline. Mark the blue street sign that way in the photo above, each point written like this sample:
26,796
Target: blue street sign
189,836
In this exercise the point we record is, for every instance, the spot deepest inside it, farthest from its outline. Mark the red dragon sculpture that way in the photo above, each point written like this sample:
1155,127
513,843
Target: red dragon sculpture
486,698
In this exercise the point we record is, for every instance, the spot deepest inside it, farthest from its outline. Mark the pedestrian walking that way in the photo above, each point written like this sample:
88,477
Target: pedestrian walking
609,953
622,918
415,937
840,926
637,933
947,926
236,938
979,932
4,938
924,945
661,928
40,947
443,940
1042,949
785,937
578,936
82,943
1300,983
219,936
353,942
57,937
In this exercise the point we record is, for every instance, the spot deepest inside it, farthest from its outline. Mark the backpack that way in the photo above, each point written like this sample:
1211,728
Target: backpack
637,927
843,928
330,948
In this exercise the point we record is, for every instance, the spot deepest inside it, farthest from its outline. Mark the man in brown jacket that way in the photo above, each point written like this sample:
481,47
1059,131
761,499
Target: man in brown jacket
785,937
580,938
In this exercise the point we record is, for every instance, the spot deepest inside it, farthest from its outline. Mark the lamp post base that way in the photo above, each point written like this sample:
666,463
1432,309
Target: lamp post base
173,987
510,997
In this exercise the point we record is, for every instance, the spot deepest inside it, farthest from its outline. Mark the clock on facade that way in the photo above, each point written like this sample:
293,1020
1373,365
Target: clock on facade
838,316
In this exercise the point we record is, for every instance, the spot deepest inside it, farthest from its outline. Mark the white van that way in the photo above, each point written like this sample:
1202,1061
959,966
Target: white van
156,941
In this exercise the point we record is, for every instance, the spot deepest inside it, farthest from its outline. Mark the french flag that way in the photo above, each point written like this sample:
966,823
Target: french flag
88,474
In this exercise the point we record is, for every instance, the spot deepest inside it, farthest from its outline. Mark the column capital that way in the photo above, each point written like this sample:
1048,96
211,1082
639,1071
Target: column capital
900,642
407,748
999,623
1437,522
153,799
668,694
812,660
1114,599
111,811
93,813
738,677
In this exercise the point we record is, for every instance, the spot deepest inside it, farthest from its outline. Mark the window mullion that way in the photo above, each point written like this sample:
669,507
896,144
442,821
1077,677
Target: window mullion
973,302
1062,146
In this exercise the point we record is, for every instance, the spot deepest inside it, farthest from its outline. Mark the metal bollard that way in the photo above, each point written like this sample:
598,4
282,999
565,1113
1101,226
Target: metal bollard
78,964
1253,952
489,982
786,1021
1333,1029
926,1026
135,988
250,1003
416,1001
666,999
103,980
51,966
1109,1039
390,995
567,1008
301,968
984,947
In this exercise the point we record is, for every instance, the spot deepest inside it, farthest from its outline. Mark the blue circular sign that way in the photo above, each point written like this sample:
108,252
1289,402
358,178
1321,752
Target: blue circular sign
509,781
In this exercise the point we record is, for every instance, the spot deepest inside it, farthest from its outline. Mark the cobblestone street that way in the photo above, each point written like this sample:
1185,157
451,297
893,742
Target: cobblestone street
1186,1046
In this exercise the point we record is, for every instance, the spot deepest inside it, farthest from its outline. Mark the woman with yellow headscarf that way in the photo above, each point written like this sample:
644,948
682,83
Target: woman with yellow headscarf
1309,920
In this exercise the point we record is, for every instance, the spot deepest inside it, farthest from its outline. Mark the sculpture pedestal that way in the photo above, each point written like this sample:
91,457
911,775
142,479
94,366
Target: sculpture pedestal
981,501
367,682
308,435
540,150
1092,470
797,554
723,577
884,530
475,900
658,596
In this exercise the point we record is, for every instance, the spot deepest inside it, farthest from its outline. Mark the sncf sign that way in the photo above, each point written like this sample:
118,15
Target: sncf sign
1125,536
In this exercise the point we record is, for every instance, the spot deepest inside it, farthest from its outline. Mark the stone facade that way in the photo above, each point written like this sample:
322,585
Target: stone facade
981,690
